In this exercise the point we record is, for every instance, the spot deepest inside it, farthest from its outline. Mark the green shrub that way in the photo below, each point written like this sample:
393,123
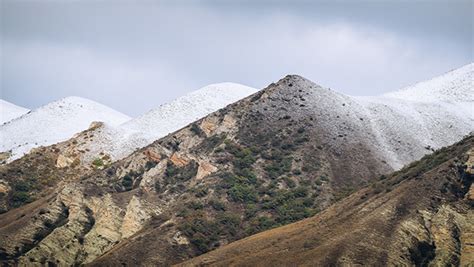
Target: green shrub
250,210
289,182
196,130
98,162
19,198
213,141
22,186
278,167
150,164
181,173
200,192
229,223
202,233
217,205
292,211
243,193
194,205
127,182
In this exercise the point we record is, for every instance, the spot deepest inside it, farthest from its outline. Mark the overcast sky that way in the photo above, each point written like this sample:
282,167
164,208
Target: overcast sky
135,55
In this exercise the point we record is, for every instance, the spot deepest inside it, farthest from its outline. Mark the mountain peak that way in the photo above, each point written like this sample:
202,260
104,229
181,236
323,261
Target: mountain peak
294,79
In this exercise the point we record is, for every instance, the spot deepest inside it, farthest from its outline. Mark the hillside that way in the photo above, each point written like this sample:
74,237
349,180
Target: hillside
454,86
102,143
118,142
396,124
53,123
9,111
278,156
421,215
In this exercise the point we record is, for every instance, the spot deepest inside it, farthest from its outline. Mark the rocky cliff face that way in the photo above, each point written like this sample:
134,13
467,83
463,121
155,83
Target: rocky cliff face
419,216
278,156
45,169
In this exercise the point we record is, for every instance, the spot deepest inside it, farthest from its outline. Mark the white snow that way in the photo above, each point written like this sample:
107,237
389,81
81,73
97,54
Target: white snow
122,140
454,86
404,125
410,122
171,116
9,111
53,123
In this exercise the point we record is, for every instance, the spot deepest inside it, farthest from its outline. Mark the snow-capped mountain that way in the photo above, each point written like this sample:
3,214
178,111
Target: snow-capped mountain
454,86
291,134
171,116
119,141
429,114
53,123
9,111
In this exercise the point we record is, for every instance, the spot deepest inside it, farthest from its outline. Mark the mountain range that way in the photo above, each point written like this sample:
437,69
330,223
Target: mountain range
291,151
116,134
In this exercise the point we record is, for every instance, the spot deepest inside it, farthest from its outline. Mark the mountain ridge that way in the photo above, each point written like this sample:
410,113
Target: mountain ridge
10,111
54,122
277,156
453,86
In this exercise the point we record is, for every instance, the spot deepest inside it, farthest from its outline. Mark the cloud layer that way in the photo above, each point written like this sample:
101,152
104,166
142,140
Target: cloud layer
135,56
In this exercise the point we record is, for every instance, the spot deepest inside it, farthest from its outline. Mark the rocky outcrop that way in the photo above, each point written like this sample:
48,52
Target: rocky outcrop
63,161
205,169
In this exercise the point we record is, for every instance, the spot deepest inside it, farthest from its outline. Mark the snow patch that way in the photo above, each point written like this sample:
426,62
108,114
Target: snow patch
9,111
120,141
53,123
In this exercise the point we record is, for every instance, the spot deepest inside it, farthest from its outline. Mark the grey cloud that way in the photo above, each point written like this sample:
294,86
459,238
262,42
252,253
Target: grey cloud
135,55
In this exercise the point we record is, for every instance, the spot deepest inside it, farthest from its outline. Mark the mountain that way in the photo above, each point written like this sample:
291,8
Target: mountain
53,123
114,136
9,111
278,156
103,143
419,216
118,142
182,111
454,86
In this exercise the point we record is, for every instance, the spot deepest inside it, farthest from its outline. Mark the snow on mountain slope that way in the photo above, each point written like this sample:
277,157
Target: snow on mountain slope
401,129
408,123
188,108
118,142
407,130
454,86
9,111
54,122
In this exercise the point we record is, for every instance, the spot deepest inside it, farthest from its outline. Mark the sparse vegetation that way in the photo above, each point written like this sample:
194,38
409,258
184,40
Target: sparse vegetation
20,193
243,193
127,182
197,130
98,163
182,174
150,164
278,166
